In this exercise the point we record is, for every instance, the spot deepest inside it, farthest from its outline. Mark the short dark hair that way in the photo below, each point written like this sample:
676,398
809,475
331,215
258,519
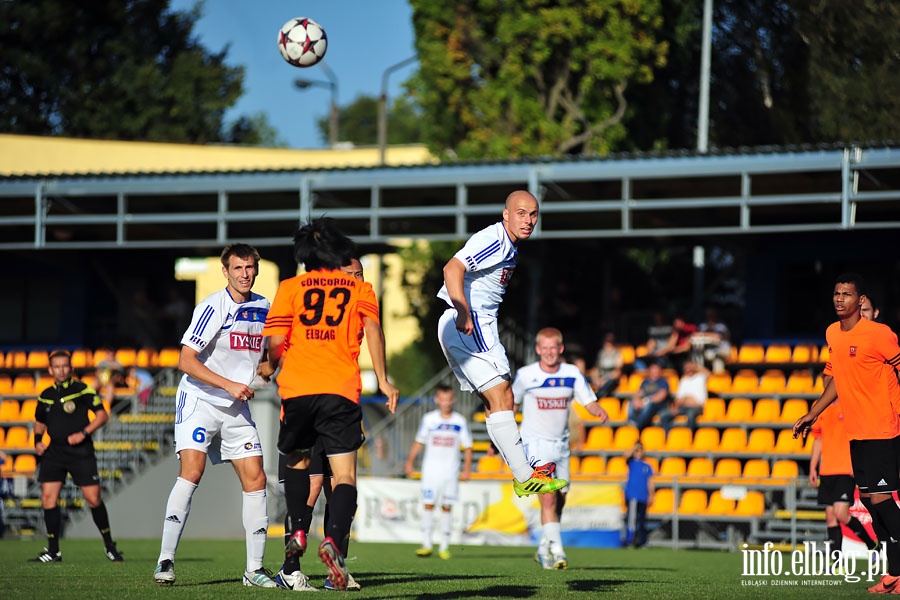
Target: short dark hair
244,251
321,245
855,278
443,387
56,353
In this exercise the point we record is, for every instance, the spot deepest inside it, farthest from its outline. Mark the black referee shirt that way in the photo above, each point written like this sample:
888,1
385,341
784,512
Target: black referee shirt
64,408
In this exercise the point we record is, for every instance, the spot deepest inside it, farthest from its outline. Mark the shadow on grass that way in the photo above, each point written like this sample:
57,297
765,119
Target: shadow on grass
597,585
491,591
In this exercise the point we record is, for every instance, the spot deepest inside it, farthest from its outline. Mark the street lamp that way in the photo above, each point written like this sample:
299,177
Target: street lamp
332,84
382,106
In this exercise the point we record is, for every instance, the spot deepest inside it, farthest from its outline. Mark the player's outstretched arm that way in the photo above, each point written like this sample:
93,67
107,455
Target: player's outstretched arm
454,276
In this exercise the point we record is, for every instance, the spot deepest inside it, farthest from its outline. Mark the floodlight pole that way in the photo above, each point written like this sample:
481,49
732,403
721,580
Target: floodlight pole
382,107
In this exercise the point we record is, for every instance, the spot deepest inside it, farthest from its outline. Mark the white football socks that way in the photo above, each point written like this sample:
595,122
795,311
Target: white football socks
554,537
446,529
504,432
178,507
427,527
256,525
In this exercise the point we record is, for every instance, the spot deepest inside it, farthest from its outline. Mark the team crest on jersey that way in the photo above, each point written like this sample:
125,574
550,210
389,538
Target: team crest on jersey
852,351
245,341
69,406
506,274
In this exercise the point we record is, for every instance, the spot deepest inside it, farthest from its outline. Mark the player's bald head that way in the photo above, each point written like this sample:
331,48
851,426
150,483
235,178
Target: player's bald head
518,197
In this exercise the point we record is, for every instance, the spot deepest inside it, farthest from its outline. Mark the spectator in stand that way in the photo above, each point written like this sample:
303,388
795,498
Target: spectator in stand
713,341
650,399
141,381
657,338
868,309
639,492
690,397
678,347
609,367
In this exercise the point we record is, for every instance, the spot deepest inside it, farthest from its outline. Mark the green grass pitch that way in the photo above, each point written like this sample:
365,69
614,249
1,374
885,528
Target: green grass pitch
213,568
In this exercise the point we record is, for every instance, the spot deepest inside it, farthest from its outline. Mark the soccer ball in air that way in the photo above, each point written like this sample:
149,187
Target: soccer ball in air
302,42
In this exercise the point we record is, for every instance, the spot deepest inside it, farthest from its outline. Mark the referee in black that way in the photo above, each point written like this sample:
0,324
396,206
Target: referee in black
63,413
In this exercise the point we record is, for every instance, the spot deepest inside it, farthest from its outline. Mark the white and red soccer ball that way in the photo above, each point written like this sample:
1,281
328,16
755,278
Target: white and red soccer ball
302,42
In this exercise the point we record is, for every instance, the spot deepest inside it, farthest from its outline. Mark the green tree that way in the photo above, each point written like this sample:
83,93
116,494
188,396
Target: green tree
358,122
534,77
113,69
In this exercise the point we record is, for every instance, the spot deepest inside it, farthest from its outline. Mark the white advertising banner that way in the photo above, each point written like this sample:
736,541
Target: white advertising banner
488,513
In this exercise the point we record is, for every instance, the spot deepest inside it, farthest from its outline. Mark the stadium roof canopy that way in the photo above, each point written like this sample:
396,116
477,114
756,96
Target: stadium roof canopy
63,193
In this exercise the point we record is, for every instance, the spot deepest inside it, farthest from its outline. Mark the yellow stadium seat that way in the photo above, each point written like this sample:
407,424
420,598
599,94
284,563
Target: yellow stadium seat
756,468
653,462
740,410
751,505
786,444
727,467
713,411
82,359
599,437
9,410
786,469
25,464
653,438
2,438
693,502
751,353
819,386
673,466
574,464
719,383
628,353
733,439
793,409
613,408
663,502
42,383
127,357
5,384
168,357
719,506
772,382
679,438
805,353
706,439
628,384
17,437
594,465
778,353
583,414
700,466
37,359
26,412
624,438
146,358
824,354
616,465
16,359
767,410
761,441
490,464
745,382
23,385
800,382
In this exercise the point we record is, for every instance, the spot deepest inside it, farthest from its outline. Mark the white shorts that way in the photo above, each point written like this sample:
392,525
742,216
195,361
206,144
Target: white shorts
439,487
544,451
222,433
479,360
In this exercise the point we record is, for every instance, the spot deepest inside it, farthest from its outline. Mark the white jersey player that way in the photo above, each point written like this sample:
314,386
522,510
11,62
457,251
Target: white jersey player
442,433
474,282
545,391
221,354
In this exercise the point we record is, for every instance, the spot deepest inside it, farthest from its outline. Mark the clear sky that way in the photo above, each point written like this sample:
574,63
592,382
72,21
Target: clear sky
365,37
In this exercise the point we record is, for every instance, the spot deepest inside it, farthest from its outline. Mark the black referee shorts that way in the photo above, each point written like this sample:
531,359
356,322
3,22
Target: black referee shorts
54,467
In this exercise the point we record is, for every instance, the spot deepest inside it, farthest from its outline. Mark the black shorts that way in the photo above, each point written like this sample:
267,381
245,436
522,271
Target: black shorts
318,464
876,465
333,419
53,468
836,488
